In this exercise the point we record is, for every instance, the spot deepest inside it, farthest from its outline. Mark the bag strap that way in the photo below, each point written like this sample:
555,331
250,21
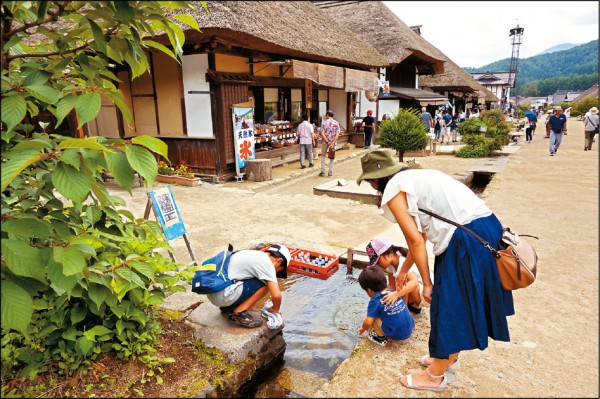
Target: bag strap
590,121
468,230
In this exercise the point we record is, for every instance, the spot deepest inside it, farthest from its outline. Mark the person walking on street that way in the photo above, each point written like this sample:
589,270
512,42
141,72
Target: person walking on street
330,131
427,120
306,141
468,304
558,126
369,128
591,121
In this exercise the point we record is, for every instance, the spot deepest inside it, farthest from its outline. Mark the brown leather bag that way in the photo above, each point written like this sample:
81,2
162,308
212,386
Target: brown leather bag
516,259
331,153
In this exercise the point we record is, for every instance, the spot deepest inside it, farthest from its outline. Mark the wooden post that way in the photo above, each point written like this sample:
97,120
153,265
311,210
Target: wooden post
258,169
349,261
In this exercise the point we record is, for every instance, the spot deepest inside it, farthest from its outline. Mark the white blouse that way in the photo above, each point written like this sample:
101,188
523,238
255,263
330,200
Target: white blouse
439,193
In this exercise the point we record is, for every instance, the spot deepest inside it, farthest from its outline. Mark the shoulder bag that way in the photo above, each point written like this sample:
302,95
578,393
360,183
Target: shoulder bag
331,153
515,257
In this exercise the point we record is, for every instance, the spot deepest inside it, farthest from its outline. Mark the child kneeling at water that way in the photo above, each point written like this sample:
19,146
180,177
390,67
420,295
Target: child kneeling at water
388,322
391,258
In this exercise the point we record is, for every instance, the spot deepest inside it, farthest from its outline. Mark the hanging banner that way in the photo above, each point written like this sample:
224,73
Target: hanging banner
243,134
167,213
308,93
385,88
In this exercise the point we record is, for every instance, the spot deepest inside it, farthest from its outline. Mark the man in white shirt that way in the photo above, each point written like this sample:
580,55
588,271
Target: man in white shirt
307,141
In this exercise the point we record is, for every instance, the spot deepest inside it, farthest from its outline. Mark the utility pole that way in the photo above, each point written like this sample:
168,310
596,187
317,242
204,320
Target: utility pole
516,35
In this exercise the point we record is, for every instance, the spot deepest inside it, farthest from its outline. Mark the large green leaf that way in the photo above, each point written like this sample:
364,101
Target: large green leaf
84,345
119,167
17,163
142,161
57,277
90,143
158,46
17,307
71,183
13,111
44,93
143,268
36,78
23,259
99,40
97,293
27,227
64,106
153,144
72,260
87,107
36,143
78,314
188,20
96,331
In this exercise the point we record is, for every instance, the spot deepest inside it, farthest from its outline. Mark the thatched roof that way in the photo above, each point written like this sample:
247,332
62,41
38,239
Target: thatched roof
377,25
295,29
591,92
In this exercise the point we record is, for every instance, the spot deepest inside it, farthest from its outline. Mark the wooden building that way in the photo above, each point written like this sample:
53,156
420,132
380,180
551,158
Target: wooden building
286,57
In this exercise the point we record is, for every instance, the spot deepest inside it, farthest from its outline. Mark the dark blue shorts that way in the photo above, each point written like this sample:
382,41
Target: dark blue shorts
250,287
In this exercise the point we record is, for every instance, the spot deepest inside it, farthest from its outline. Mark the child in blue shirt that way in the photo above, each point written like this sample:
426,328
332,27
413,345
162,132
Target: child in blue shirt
387,322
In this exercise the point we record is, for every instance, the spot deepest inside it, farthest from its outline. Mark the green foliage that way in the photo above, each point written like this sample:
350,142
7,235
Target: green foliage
482,145
583,106
80,274
403,132
575,69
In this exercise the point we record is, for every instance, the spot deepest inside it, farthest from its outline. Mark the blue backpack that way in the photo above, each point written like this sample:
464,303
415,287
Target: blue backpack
212,275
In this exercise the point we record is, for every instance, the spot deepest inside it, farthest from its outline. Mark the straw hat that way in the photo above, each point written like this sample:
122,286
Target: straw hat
377,164
593,110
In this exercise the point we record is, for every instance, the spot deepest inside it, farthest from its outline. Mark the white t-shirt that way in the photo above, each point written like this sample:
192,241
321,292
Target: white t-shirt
244,265
395,272
439,193
305,132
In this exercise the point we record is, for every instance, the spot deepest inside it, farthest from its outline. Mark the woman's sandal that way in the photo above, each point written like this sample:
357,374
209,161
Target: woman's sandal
451,369
447,379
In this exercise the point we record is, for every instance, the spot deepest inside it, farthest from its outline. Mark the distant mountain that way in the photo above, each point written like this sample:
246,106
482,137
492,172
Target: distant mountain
560,47
579,62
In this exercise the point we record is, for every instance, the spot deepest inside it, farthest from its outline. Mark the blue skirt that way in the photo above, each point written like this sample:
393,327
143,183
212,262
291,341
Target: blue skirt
468,305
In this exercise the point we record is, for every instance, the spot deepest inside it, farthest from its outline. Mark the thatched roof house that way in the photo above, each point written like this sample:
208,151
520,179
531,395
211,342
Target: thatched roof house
377,25
287,28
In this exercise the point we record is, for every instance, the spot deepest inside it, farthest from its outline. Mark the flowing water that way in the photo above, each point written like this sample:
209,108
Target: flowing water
321,318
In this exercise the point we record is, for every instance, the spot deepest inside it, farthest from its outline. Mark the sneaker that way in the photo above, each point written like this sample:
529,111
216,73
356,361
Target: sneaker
322,174
310,165
378,339
302,166
245,319
551,154
330,174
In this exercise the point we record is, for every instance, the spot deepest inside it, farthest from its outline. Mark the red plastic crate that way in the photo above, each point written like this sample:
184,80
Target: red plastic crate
308,269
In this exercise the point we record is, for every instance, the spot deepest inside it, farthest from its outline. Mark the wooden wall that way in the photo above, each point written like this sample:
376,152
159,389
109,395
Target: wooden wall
228,94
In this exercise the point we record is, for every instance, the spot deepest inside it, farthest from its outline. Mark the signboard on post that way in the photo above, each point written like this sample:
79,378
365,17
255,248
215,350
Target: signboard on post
165,209
167,212
242,116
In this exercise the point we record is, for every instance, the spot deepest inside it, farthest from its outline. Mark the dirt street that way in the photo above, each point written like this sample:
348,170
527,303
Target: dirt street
554,334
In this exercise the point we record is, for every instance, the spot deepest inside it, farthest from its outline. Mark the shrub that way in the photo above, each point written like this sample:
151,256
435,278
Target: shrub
495,137
403,132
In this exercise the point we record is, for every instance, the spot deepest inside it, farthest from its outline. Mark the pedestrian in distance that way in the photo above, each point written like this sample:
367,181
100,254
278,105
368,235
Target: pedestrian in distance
427,120
369,128
307,141
390,257
558,126
468,304
591,121
255,274
384,321
330,131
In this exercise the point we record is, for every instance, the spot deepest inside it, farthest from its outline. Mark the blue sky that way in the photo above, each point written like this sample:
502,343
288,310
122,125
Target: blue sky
474,34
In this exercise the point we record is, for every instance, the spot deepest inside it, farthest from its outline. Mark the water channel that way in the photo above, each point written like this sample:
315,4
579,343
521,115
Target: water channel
321,318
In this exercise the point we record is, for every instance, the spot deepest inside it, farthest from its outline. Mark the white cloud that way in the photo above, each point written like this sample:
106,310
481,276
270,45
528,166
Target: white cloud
474,34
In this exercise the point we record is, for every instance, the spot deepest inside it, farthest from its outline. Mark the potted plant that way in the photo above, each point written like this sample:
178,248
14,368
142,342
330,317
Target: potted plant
184,175
165,173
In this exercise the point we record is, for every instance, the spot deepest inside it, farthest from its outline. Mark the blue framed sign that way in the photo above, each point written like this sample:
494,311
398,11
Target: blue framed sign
167,213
